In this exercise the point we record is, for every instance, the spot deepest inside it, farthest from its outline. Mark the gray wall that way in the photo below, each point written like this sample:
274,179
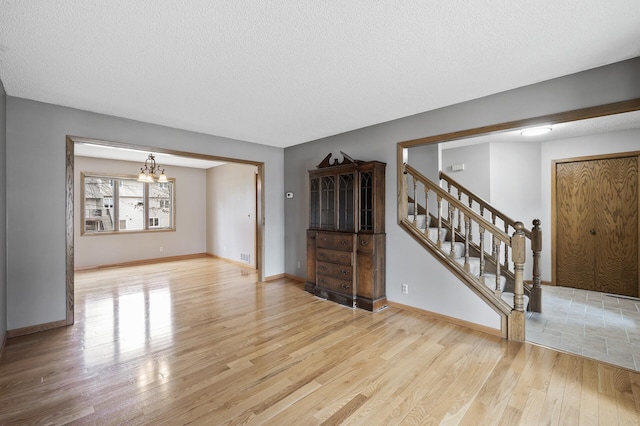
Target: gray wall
505,174
476,173
3,208
231,211
426,159
515,180
36,201
431,287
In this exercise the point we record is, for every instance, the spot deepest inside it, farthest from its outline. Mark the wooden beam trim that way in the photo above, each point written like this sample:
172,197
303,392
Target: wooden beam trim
69,231
80,139
555,118
3,344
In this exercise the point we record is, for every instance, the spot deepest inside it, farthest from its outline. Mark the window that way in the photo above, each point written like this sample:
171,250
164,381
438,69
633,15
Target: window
131,203
113,204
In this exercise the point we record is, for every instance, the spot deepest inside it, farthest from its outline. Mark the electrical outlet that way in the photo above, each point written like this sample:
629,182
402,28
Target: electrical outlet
298,264
161,249
405,288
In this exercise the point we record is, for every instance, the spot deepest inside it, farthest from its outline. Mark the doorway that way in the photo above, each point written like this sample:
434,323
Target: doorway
70,211
595,223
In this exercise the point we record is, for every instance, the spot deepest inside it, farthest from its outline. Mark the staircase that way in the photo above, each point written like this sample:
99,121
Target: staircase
107,222
482,246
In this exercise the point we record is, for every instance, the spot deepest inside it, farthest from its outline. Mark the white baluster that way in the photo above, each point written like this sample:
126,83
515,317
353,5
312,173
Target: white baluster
481,253
467,227
496,248
439,221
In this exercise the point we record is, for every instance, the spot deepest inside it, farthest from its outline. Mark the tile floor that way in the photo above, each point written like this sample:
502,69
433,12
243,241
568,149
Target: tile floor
596,325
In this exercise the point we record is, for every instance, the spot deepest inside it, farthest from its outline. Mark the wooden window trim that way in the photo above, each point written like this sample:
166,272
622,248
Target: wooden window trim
116,198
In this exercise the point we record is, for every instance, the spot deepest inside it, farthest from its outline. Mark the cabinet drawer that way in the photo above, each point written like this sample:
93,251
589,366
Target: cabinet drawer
335,256
366,243
342,242
342,272
337,285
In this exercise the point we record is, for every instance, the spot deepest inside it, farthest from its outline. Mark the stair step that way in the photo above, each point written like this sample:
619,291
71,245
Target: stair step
432,234
474,265
458,249
490,281
420,220
410,208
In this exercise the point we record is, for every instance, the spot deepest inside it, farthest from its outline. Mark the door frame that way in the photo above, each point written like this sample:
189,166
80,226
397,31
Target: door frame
70,210
554,227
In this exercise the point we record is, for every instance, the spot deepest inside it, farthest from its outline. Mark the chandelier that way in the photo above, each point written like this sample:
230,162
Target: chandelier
149,173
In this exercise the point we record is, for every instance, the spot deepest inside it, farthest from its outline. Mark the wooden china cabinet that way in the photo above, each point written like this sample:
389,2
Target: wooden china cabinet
346,239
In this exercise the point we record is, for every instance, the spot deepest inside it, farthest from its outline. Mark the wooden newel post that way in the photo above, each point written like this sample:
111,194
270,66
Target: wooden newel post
404,195
518,256
535,304
516,319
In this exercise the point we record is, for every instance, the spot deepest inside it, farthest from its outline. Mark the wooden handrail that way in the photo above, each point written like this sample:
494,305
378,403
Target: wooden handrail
483,203
499,233
500,238
534,235
514,245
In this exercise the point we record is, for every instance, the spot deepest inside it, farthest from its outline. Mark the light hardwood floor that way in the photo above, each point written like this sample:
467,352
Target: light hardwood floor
200,342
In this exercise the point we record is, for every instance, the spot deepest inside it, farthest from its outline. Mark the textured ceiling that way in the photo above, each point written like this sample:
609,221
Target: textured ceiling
287,72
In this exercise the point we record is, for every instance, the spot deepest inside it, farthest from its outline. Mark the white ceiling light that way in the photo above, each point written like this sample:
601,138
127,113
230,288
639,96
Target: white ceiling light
535,131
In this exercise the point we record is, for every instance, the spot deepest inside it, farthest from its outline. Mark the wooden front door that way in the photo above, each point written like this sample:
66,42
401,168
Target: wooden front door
596,223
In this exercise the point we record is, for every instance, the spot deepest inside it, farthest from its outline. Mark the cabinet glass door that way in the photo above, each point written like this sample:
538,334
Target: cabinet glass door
345,202
314,208
327,202
366,201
